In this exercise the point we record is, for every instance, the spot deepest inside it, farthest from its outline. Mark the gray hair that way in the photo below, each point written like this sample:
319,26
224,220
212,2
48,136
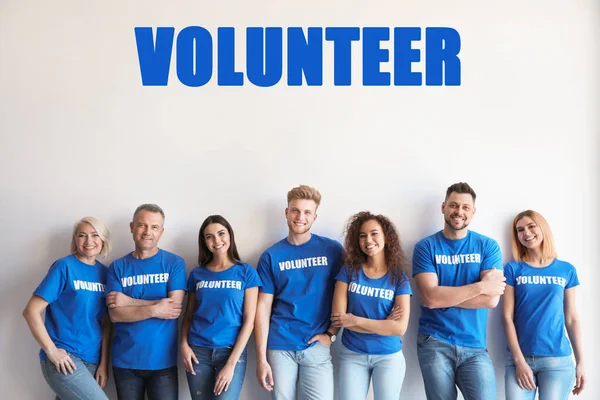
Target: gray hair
151,208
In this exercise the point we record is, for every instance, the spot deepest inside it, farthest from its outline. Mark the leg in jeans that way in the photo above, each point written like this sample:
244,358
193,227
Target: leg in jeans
81,384
237,381
388,375
129,383
512,390
285,373
354,375
163,384
315,378
437,360
202,384
555,377
475,374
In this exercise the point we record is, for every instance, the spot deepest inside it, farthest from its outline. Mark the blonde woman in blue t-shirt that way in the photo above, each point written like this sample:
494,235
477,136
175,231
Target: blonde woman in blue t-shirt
539,302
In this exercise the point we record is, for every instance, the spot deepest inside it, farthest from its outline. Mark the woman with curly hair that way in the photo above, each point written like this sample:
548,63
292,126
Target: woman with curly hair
372,303
539,303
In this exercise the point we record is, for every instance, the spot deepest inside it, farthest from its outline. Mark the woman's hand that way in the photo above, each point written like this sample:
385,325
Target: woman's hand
102,374
187,354
525,376
224,379
62,361
396,313
580,379
343,320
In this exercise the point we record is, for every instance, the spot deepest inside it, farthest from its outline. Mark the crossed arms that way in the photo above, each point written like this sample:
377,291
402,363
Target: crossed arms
123,308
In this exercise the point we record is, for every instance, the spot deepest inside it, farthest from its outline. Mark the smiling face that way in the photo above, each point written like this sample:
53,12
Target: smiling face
529,233
300,215
371,238
88,243
458,209
216,238
147,228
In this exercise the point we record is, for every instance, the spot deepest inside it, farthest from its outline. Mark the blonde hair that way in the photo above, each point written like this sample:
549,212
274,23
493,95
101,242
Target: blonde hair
304,192
519,251
100,228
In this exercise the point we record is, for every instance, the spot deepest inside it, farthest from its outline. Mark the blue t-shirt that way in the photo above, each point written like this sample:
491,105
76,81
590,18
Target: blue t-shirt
219,304
150,344
75,294
373,299
456,263
301,280
539,306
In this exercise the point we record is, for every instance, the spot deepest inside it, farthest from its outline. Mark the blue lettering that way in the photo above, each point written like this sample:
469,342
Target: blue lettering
154,59
443,46
264,56
373,55
342,39
264,68
226,59
405,55
194,56
305,56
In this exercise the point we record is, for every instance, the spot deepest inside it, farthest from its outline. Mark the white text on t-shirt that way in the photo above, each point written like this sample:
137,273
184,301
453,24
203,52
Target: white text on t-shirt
302,263
91,286
370,291
541,280
222,284
145,279
458,258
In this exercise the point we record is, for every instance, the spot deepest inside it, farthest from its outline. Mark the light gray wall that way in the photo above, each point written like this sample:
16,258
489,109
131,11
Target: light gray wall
79,135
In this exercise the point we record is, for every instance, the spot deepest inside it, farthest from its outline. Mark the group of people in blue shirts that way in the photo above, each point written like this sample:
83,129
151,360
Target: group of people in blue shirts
305,289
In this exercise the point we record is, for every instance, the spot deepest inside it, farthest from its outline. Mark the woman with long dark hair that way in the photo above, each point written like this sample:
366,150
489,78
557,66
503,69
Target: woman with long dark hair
222,294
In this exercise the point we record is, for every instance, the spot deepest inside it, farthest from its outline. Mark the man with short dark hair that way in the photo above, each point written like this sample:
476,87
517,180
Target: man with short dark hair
459,276
145,291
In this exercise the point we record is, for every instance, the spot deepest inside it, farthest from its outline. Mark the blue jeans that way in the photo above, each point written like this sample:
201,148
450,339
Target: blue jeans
81,384
356,371
210,363
553,376
445,366
308,372
133,384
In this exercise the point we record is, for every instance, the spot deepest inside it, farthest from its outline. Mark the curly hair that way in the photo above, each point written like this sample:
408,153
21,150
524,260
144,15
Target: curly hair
354,257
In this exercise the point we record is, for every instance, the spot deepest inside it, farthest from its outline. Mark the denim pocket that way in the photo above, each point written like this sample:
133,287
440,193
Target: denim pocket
423,339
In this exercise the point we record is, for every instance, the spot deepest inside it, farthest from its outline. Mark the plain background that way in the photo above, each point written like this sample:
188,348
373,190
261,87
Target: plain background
80,135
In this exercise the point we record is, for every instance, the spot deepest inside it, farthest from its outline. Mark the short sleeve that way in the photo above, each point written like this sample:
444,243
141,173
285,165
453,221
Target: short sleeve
342,276
572,280
54,283
177,276
266,275
509,273
252,278
492,258
422,260
113,283
403,286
